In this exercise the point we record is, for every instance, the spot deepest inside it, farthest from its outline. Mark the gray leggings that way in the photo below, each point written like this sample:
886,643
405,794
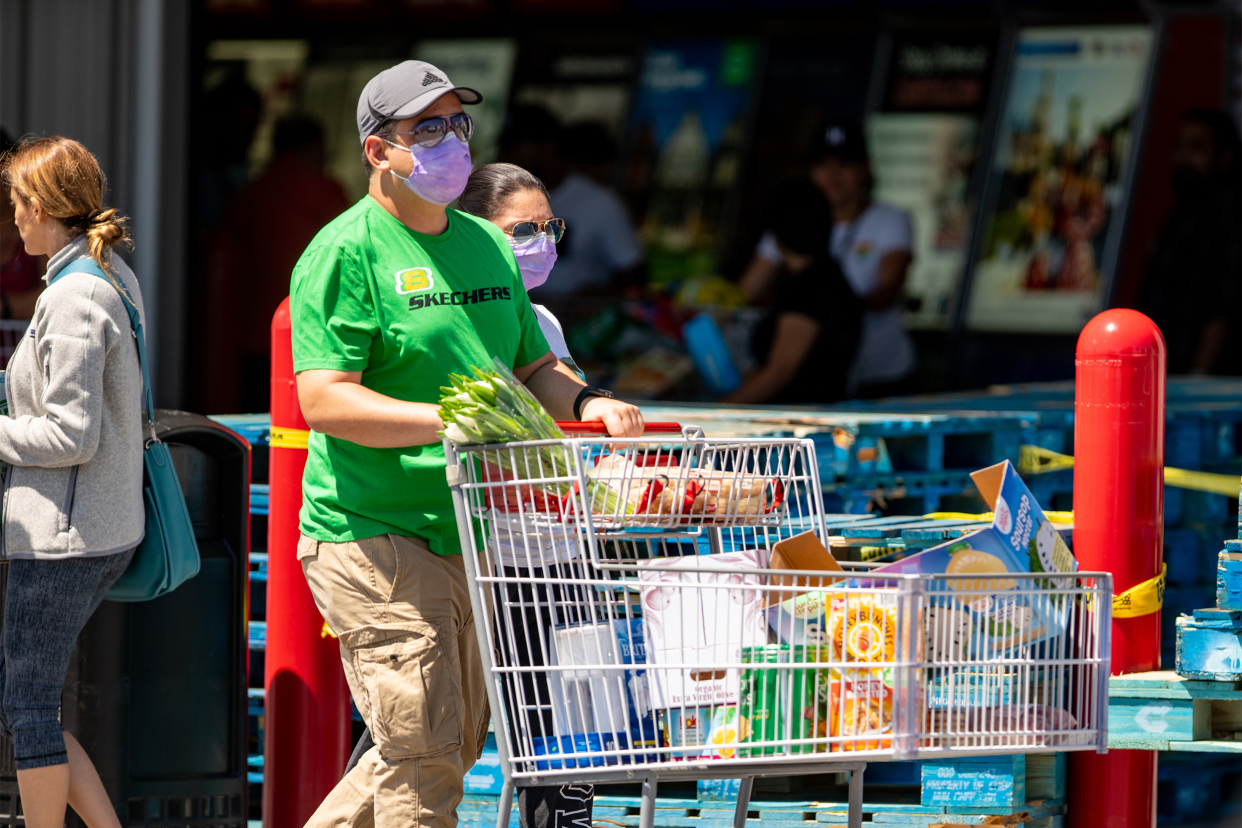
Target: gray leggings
46,605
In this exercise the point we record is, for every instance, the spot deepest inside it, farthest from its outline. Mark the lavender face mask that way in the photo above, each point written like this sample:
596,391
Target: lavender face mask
535,258
440,172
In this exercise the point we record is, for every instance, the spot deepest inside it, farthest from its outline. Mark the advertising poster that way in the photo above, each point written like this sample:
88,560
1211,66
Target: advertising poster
1060,160
922,163
686,136
579,83
923,148
485,65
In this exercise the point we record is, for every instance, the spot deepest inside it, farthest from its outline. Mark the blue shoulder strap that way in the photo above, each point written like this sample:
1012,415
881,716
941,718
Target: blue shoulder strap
88,265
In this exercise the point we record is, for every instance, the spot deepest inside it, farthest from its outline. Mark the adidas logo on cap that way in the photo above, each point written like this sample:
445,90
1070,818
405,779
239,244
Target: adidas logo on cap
429,79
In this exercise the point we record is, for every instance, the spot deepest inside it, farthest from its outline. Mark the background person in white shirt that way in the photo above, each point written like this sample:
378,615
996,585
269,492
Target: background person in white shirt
872,243
603,254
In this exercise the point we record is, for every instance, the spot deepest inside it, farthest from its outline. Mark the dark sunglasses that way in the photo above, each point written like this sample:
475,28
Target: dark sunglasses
524,231
432,131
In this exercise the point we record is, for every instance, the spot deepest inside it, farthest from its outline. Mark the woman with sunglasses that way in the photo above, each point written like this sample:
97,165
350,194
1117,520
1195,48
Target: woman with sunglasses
516,201
532,604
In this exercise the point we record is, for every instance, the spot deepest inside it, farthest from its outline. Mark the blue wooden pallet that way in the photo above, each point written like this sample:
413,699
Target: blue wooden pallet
256,428
258,567
1166,711
258,635
481,812
1209,645
1229,576
259,493
924,492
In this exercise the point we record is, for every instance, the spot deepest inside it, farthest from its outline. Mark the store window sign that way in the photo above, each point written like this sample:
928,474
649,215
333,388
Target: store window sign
684,137
922,163
664,73
708,80
1059,169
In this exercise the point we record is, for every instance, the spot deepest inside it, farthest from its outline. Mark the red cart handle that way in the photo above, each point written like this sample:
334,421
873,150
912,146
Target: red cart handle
578,427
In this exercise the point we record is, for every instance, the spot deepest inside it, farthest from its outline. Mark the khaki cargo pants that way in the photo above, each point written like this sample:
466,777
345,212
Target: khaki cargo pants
411,657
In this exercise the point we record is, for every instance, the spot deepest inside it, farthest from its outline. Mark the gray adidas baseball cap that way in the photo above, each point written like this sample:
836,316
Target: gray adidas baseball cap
404,91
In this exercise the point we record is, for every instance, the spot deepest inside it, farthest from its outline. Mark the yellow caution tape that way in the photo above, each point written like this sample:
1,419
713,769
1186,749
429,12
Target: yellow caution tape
1223,484
292,438
1055,517
1142,599
957,516
1036,460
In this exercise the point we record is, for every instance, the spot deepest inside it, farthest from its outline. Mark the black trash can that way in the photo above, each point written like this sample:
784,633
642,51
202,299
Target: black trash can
156,691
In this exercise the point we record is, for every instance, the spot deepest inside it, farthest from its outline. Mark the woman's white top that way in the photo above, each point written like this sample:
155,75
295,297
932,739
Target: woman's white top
553,332
886,352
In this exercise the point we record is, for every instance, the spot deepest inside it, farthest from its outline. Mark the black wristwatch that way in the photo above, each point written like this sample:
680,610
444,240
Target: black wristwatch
587,393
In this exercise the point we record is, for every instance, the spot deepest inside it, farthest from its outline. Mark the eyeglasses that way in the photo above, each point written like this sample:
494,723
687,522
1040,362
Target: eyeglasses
432,131
524,231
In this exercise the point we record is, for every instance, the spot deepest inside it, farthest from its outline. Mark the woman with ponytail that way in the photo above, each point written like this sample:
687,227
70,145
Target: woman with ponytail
72,510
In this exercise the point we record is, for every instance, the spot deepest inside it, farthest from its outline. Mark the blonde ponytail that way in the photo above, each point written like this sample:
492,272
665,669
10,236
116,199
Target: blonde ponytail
104,230
65,178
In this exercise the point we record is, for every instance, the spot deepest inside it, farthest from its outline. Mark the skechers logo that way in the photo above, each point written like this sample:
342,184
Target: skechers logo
414,279
459,297
429,79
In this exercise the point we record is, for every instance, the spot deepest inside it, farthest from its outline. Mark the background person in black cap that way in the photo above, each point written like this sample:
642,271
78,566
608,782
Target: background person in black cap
872,243
388,299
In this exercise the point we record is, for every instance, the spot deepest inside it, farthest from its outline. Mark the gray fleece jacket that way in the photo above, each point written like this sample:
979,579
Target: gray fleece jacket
74,434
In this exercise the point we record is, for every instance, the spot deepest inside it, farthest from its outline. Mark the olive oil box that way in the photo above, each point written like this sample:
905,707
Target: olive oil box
1007,612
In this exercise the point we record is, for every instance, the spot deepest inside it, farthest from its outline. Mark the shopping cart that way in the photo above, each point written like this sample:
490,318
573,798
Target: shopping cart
637,633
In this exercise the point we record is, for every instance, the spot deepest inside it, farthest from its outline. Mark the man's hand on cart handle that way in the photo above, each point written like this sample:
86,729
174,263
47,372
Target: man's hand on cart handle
620,418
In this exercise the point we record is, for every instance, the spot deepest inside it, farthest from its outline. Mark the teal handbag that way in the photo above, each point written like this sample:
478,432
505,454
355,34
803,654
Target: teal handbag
168,553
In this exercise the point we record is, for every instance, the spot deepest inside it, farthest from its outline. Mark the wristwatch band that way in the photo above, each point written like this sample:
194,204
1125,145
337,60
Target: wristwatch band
585,394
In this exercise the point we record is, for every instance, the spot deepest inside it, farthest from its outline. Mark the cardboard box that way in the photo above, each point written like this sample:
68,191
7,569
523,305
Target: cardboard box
797,616
1007,612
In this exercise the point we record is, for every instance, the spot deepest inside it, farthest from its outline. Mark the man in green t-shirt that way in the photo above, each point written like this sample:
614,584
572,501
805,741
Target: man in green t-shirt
387,300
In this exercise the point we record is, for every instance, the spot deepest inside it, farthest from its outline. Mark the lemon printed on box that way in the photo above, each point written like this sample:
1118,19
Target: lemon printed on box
728,729
967,560
414,279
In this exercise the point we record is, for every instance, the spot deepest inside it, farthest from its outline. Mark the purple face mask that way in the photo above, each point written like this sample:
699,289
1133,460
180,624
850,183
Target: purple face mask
440,172
535,258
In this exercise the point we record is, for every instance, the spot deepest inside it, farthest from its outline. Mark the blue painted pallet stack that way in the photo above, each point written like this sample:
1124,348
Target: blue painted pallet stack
991,790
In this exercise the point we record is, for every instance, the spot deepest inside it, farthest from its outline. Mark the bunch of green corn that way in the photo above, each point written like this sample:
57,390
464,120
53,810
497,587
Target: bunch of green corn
493,407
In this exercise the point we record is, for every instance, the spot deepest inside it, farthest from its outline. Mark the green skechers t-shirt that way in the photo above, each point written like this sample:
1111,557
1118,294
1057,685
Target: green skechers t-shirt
406,310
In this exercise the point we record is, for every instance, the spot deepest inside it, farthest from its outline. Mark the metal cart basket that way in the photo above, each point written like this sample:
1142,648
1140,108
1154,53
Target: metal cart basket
636,631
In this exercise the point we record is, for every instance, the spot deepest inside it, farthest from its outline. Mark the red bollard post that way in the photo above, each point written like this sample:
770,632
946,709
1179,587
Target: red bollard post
1118,528
307,706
